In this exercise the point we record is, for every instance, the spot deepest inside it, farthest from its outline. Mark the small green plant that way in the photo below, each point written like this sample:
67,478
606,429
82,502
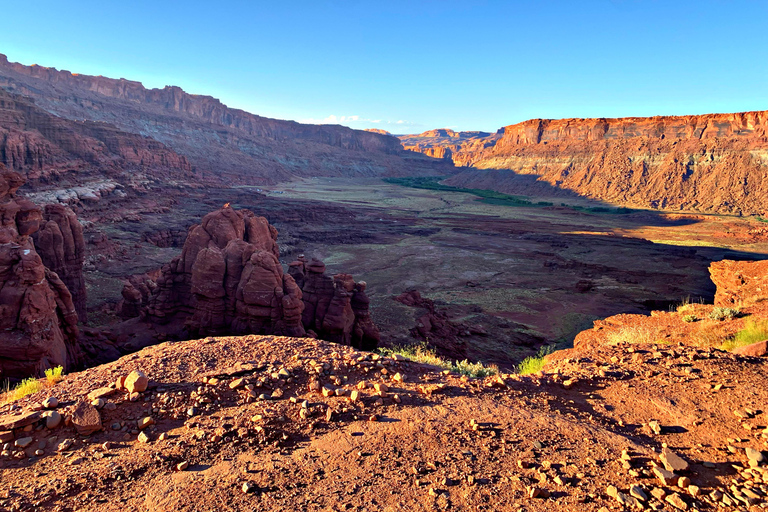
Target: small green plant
690,318
534,364
24,388
723,313
422,353
53,375
752,332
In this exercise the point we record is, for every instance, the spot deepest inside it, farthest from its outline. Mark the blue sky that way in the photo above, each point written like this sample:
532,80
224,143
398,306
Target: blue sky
411,66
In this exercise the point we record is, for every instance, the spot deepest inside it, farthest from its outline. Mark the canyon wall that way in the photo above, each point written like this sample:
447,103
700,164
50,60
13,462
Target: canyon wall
220,142
712,162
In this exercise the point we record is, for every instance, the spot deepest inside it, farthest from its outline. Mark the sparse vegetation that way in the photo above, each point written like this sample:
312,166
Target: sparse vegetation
493,197
634,334
752,332
723,313
24,388
534,364
422,353
53,375
690,318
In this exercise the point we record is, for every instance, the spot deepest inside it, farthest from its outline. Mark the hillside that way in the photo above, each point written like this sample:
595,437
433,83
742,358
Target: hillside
271,423
227,143
710,163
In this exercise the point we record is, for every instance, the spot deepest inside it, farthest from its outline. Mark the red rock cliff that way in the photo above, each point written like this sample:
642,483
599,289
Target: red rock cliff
712,162
38,321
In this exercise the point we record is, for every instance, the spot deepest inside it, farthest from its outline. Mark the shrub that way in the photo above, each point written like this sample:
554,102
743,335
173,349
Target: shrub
534,364
723,313
752,332
690,318
24,388
53,375
422,353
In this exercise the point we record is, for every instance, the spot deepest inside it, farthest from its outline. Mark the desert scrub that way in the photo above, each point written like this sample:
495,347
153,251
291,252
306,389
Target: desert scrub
633,334
421,353
690,318
534,364
53,375
24,388
752,332
723,313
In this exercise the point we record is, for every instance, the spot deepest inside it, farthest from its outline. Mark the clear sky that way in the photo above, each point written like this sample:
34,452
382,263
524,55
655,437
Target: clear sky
411,66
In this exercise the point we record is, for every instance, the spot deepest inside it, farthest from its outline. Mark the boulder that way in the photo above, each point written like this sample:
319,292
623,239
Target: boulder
739,283
86,419
759,349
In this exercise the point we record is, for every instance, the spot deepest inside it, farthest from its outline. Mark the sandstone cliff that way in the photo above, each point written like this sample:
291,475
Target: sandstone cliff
38,320
218,140
46,148
713,162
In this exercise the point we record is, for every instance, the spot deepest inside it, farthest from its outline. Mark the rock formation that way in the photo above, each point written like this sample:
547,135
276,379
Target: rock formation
61,247
335,309
712,162
38,320
229,279
739,283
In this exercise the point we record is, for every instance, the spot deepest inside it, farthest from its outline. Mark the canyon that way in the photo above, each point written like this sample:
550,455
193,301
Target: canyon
707,163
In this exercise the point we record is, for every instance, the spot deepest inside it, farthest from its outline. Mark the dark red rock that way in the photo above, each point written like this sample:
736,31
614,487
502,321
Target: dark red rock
61,246
38,321
228,279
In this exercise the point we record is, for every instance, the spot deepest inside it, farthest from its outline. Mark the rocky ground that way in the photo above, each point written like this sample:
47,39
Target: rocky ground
270,423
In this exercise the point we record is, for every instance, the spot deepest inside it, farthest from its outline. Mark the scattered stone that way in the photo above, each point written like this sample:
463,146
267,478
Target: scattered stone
672,461
754,455
676,501
143,437
145,422
237,383
181,466
53,420
86,419
23,442
638,493
100,393
98,403
655,427
664,476
65,445
51,402
248,487
136,382
6,436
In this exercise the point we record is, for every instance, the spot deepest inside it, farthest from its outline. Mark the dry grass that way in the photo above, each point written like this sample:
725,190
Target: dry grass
423,354
24,388
634,334
53,375
752,332
534,364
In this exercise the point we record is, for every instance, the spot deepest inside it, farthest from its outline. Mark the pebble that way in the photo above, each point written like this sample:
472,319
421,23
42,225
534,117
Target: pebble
672,461
248,487
754,455
676,501
53,420
51,402
145,422
181,466
237,383
638,493
143,437
23,442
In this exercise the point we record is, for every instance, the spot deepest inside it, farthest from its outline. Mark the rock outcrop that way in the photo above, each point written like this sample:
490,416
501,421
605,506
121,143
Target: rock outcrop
61,247
229,279
712,162
38,320
739,283
335,308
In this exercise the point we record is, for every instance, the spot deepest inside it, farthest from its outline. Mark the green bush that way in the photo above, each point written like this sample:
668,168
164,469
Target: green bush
534,364
24,388
723,313
53,375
